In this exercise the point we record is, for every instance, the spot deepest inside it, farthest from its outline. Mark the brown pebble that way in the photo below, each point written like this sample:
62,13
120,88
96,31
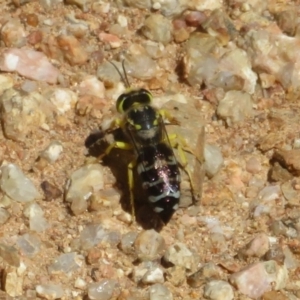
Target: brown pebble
32,20
195,18
35,37
51,192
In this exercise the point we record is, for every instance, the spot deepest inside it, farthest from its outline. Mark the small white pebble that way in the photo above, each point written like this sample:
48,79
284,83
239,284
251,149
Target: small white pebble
156,5
80,284
122,20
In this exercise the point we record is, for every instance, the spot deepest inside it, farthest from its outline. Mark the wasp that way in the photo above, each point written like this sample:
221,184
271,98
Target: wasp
155,162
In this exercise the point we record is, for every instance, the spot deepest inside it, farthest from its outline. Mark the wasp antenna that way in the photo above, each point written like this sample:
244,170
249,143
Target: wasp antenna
124,79
125,74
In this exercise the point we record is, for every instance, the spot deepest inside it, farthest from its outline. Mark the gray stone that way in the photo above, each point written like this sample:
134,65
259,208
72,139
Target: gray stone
16,185
218,290
50,291
213,160
160,292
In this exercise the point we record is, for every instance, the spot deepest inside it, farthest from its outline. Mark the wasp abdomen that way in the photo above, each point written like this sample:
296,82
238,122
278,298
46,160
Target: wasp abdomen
160,175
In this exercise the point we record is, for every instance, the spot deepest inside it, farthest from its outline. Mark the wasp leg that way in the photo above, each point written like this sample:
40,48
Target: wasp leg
179,143
131,165
167,116
116,144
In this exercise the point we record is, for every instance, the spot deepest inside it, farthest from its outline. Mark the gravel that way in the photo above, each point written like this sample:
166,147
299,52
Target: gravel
228,71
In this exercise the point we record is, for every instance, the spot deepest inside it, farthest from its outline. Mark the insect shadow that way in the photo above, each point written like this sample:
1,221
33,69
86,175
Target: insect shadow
117,160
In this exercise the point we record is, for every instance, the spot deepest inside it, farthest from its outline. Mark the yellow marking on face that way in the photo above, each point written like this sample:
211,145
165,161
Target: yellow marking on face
137,126
155,122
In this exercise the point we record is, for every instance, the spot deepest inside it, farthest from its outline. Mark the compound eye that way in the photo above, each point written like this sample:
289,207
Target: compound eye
120,103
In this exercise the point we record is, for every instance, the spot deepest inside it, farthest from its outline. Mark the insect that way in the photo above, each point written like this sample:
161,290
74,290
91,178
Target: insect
155,161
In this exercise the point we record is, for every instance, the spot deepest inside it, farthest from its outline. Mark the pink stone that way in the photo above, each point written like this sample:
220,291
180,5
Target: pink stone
29,63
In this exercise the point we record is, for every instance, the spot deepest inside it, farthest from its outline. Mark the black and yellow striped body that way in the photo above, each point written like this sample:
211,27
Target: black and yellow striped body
156,163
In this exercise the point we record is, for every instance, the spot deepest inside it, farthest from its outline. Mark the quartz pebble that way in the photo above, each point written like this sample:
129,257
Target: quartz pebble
253,166
218,290
149,245
52,152
213,160
16,185
179,255
258,278
23,113
13,34
91,235
92,86
65,263
257,247
37,221
63,99
127,242
160,292
29,244
103,290
139,64
144,4
50,291
83,183
157,28
202,5
148,272
29,63
235,107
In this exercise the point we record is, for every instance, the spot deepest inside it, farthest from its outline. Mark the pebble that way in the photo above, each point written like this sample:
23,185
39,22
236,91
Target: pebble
66,263
23,113
6,82
258,278
13,34
149,245
51,191
29,244
235,107
218,290
111,39
73,51
50,291
287,21
290,194
179,255
10,255
158,28
37,221
30,64
12,282
202,5
290,159
103,290
160,292
16,185
83,183
206,272
62,98
108,74
148,272
77,27
92,235
290,261
213,160
257,247
127,242
253,165
4,215
139,64
176,275
52,152
170,8
92,86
